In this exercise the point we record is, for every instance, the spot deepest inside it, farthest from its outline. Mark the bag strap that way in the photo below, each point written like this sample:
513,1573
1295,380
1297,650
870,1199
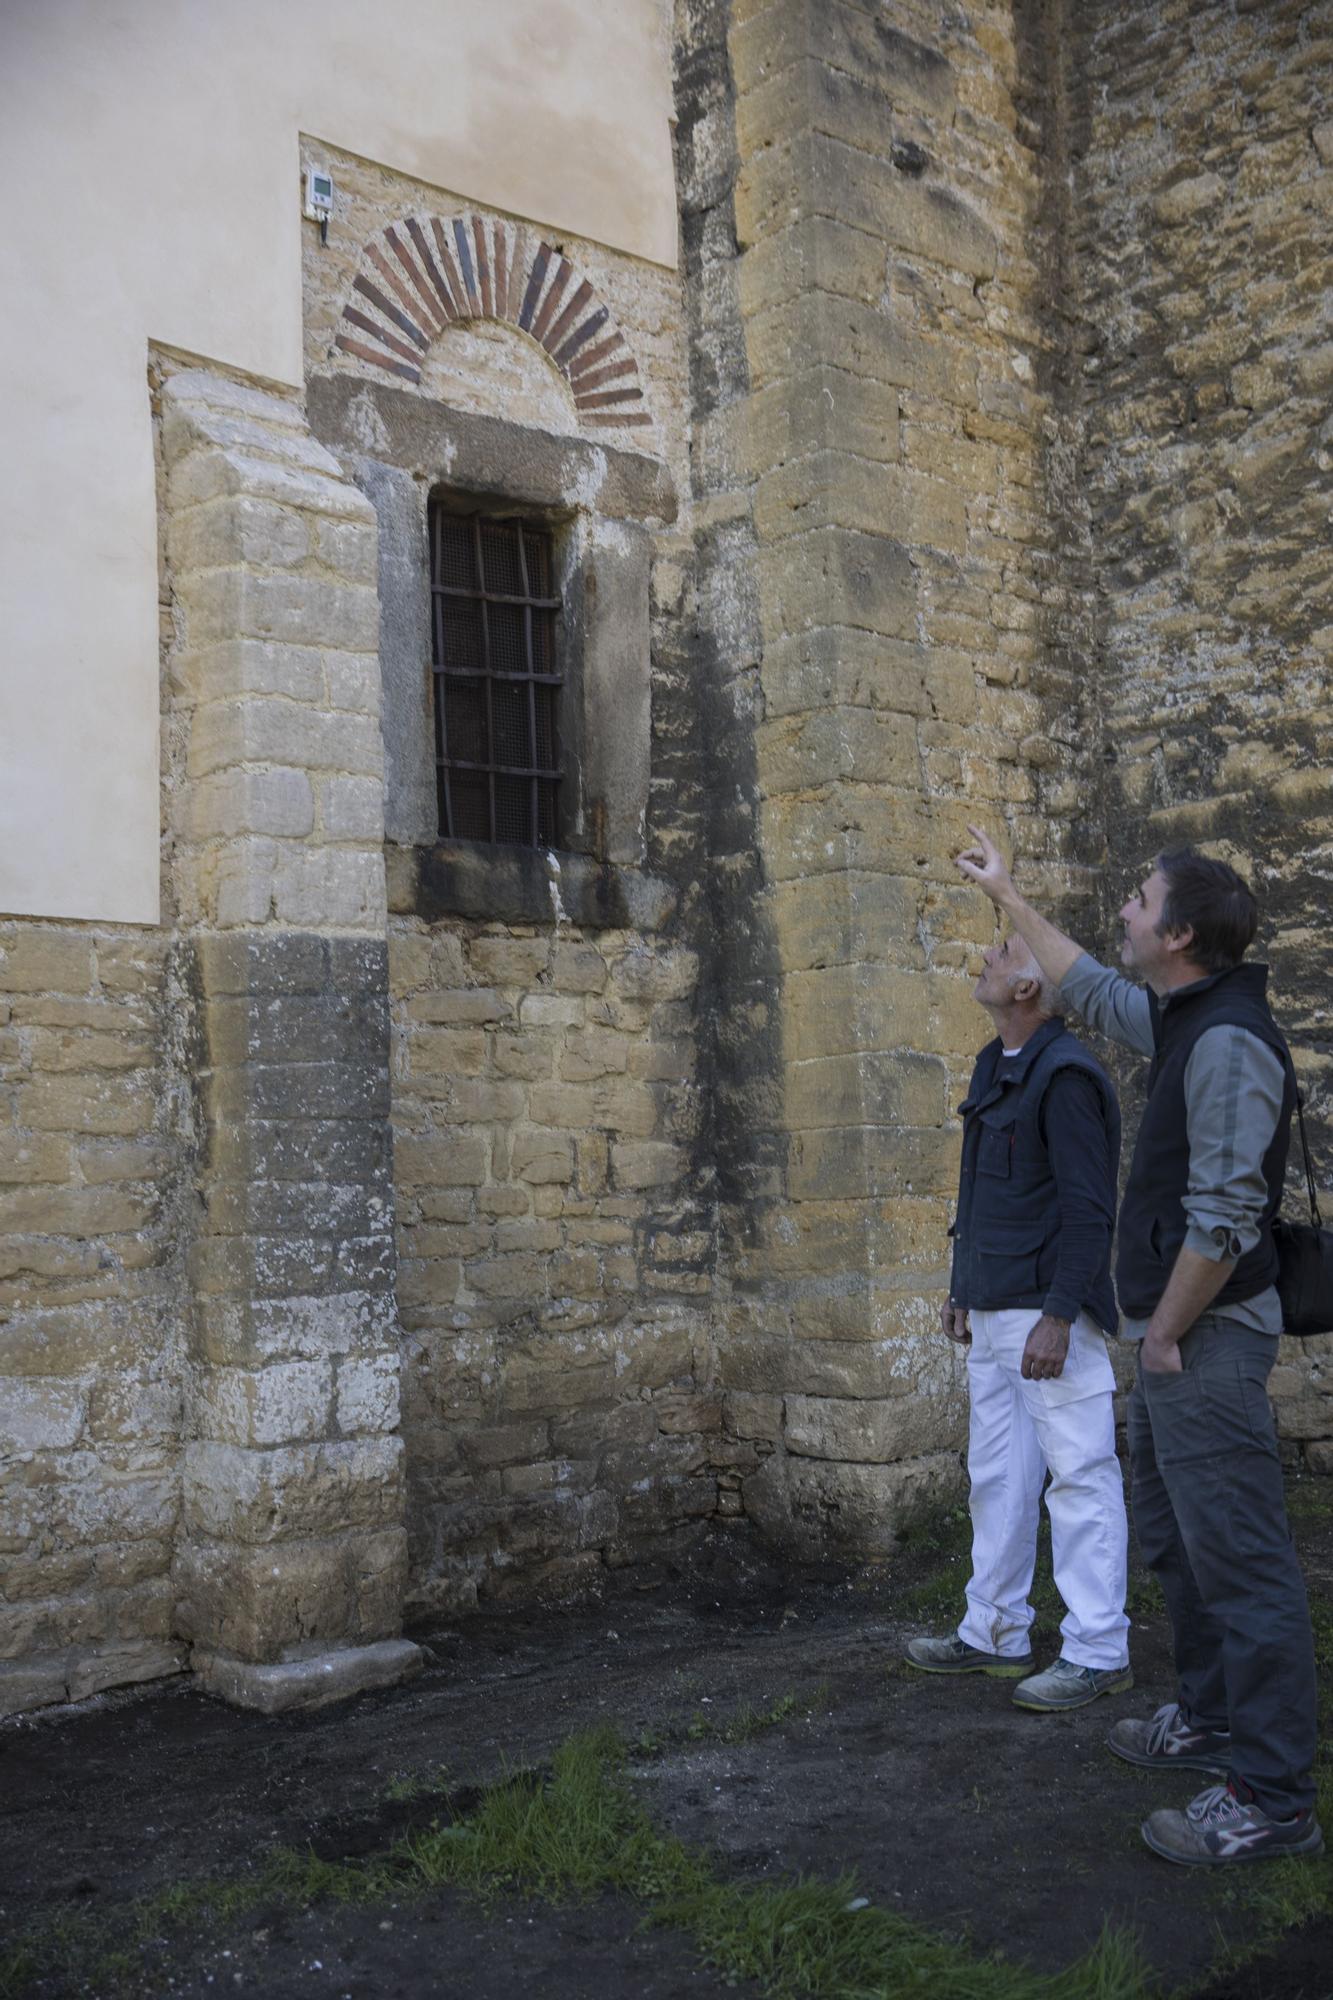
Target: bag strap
1315,1216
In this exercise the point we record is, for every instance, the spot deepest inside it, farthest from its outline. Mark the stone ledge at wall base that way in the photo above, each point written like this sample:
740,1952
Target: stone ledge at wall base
312,1681
74,1673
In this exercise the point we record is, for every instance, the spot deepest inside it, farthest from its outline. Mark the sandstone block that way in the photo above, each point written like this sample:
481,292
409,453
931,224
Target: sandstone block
813,1506
287,1402
876,1088
871,1160
551,1010
820,409
207,475
349,548
461,1006
518,1276
1186,199
814,253
224,604
841,577
312,1681
823,175
577,968
508,1444
822,328
237,1495
237,529
351,809
231,669
508,961
874,1432
527,1056
230,802
258,1602
840,35
254,880
98,1103
447,1052
34,960
285,733
41,1414
543,1158
594,1053
367,1394
645,1163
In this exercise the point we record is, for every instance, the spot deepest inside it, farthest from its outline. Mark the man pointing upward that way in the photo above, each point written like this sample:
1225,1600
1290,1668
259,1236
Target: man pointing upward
1195,1273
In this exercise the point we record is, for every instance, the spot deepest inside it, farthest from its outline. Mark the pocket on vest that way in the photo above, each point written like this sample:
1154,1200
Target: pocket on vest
995,1153
1005,1256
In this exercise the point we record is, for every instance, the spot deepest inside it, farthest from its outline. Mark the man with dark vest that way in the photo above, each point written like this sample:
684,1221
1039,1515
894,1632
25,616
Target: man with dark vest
1031,1299
1195,1271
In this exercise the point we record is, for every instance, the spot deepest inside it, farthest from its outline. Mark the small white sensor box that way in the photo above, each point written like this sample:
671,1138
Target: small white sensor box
318,195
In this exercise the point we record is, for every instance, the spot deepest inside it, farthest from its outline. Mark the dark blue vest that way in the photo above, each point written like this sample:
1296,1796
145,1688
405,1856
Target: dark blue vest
1152,1216
1006,1236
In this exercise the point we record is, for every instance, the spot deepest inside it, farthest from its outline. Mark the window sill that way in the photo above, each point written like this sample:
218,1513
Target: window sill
523,885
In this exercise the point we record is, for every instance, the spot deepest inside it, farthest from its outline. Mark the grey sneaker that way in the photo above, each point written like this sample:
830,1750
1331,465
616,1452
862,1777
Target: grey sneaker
1063,1685
1171,1740
954,1656
1220,1826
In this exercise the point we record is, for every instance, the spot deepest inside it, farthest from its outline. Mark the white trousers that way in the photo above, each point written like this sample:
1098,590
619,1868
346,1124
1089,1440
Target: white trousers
1017,1431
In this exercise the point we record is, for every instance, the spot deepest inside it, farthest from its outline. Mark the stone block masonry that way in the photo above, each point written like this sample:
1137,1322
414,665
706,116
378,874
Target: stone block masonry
409,1224
1205,241
873,214
291,1564
90,1346
555,1255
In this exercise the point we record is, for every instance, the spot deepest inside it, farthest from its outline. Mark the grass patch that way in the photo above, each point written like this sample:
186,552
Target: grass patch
404,1786
749,1722
581,1832
572,1834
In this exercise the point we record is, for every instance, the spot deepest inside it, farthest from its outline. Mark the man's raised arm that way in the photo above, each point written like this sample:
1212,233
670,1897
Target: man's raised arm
1056,954
1113,1005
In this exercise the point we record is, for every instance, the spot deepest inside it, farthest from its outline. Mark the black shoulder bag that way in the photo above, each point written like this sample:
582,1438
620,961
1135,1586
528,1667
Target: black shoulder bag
1305,1260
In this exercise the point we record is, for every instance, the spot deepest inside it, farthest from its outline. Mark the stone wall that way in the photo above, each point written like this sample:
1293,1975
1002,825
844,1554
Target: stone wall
402,1223
1203,136
553,1178
290,1566
554,1254
90,1329
873,215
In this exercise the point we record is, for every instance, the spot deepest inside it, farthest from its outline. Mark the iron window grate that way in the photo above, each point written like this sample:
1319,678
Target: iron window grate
497,679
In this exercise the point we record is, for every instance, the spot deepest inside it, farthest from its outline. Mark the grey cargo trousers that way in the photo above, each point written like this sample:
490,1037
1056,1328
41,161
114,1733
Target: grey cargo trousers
1211,1521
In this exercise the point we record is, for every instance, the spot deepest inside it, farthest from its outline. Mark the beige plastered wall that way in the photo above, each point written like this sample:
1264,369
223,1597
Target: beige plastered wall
152,160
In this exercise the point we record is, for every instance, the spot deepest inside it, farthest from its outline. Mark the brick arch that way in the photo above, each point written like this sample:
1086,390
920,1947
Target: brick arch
421,276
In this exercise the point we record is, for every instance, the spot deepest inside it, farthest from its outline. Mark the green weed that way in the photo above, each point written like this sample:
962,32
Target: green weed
579,1832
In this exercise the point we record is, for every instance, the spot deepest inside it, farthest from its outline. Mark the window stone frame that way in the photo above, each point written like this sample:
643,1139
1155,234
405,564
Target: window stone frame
602,505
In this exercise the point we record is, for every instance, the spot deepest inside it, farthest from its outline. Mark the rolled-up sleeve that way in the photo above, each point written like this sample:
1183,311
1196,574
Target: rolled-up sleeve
1233,1100
1110,1003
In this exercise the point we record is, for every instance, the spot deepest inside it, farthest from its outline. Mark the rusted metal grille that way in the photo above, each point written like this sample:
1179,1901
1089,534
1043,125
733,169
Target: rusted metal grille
497,679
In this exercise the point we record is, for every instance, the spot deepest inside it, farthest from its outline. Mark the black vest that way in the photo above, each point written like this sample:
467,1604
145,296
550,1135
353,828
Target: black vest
1152,1215
1007,1235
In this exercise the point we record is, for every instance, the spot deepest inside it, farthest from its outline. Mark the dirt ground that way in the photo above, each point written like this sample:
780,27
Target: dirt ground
1016,1831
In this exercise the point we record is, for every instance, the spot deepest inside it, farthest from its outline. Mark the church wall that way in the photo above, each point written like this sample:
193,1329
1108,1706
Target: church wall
876,204
1203,139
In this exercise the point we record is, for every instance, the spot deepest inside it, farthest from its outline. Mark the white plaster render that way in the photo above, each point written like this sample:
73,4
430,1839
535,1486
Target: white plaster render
154,155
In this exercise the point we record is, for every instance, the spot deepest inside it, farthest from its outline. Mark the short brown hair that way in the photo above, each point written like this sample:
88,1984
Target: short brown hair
1212,900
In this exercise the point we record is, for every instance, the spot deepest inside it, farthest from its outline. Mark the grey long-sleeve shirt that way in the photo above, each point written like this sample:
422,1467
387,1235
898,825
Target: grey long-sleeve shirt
1233,1099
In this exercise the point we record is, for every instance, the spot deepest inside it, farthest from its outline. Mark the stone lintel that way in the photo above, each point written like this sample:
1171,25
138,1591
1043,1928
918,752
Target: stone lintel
483,455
